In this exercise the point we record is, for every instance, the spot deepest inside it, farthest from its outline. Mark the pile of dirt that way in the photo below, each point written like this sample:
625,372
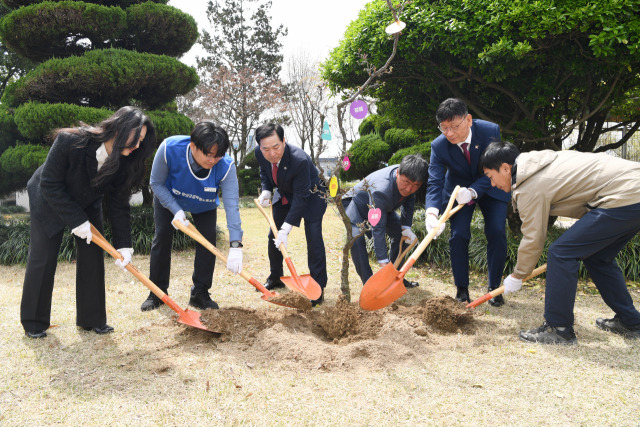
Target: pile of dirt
329,337
293,300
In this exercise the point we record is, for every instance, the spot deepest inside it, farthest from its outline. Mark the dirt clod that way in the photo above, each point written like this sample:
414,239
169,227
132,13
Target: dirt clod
292,299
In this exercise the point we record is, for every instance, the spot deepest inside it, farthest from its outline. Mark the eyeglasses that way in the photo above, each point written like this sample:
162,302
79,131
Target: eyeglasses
452,128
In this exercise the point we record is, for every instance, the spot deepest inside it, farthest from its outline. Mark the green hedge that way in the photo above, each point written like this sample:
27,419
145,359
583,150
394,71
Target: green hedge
423,149
14,4
105,78
367,155
42,31
249,175
14,238
36,120
401,138
374,123
160,29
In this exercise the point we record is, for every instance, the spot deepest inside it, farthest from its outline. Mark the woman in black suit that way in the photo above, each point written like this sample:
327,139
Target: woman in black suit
84,165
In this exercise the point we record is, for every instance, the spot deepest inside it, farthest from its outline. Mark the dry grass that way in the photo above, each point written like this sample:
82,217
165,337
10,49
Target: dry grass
153,371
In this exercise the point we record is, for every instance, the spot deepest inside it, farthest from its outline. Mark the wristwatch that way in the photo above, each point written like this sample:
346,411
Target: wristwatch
235,244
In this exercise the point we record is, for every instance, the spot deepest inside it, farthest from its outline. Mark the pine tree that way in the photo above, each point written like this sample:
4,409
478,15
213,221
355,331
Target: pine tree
92,58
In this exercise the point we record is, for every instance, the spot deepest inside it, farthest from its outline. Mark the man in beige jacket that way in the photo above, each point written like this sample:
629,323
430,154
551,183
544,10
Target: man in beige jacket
603,193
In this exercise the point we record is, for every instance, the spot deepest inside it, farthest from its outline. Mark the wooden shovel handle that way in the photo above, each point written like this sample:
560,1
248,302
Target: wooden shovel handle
443,218
99,240
500,290
401,255
272,224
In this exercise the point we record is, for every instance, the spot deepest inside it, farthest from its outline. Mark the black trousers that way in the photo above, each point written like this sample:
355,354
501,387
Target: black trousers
35,307
160,263
316,256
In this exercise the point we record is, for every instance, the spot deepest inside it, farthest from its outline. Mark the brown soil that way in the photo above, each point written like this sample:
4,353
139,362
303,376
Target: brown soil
329,337
293,300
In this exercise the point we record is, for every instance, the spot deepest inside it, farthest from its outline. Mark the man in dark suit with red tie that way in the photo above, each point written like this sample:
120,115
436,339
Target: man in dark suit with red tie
291,182
454,161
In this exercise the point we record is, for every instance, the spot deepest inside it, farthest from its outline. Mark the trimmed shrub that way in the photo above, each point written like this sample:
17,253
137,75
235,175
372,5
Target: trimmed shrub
42,31
105,78
423,149
367,155
367,126
168,124
160,29
8,130
249,175
23,159
14,4
400,138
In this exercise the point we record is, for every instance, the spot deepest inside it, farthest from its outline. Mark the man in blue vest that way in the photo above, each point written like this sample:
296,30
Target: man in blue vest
289,176
454,161
188,174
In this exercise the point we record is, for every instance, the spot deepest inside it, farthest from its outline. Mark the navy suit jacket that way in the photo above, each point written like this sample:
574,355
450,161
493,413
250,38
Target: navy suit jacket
448,167
386,197
297,177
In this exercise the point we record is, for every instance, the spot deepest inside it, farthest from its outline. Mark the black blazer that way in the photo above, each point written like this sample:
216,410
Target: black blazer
60,190
297,176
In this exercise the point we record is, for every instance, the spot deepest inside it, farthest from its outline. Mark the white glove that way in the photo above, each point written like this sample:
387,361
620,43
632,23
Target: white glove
234,260
126,254
464,196
511,284
431,221
264,198
282,235
83,231
409,234
180,216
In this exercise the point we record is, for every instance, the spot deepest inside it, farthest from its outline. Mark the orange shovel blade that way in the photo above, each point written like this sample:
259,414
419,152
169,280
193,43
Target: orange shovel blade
382,289
305,284
192,318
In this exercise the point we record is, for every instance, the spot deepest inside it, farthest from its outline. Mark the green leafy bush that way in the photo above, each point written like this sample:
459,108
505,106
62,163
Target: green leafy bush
401,138
14,4
36,120
249,175
42,31
374,123
160,29
14,238
60,29
105,78
367,155
8,130
423,149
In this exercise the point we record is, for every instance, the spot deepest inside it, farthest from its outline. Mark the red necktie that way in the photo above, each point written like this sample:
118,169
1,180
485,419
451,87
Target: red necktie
274,174
465,151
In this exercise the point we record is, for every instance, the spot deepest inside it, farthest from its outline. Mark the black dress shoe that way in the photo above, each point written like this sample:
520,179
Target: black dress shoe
101,330
151,303
409,285
201,299
497,301
36,334
318,301
271,284
463,295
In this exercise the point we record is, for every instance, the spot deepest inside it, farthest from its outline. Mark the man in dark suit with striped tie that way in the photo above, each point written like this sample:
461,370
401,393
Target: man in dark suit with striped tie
454,161
290,181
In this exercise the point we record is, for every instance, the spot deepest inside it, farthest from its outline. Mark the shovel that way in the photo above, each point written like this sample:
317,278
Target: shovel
401,255
498,291
193,232
186,317
305,284
386,285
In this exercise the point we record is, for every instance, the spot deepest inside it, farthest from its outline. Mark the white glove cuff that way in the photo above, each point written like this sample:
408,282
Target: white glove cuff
286,227
434,211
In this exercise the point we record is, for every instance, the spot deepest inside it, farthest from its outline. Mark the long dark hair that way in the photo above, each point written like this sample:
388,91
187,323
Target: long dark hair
119,128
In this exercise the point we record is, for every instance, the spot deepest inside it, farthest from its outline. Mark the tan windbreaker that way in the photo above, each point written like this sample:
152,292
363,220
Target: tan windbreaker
566,183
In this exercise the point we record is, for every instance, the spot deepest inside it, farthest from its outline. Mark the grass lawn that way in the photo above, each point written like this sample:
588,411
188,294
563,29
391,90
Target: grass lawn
276,366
